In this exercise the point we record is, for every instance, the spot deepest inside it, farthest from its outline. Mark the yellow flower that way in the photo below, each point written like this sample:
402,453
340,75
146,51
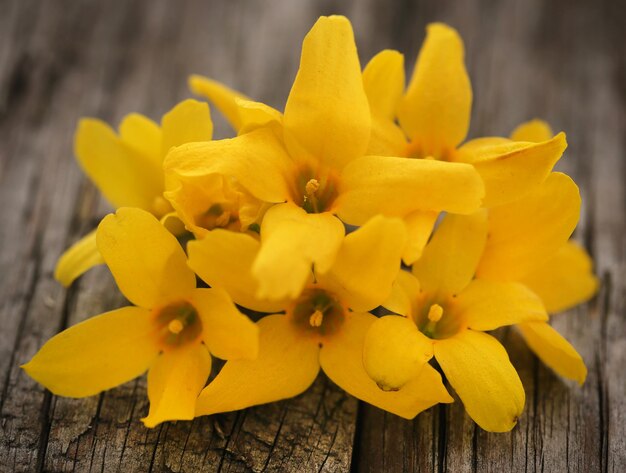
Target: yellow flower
434,115
562,276
446,308
529,243
169,332
323,325
311,163
128,168
446,313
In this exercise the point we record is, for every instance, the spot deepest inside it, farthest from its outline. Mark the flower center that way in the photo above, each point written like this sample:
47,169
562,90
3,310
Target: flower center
317,312
178,323
220,215
439,320
315,192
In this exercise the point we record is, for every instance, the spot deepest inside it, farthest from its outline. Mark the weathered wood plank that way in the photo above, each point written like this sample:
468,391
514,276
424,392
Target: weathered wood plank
59,60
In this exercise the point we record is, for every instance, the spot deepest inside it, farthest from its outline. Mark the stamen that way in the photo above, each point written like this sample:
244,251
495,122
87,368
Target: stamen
175,326
311,187
316,318
435,313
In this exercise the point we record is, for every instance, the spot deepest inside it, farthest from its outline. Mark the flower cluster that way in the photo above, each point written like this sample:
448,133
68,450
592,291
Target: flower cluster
361,196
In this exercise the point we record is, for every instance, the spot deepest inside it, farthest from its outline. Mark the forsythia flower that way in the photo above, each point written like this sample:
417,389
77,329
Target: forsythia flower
169,332
323,325
128,169
311,163
528,243
434,115
446,309
446,313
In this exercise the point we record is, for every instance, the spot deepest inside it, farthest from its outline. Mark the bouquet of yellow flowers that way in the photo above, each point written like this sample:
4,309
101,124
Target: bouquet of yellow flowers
356,232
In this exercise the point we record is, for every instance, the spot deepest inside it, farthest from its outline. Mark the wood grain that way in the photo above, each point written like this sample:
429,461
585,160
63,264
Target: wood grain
60,60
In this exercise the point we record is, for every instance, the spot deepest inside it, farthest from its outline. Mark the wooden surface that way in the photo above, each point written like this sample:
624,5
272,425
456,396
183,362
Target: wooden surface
59,60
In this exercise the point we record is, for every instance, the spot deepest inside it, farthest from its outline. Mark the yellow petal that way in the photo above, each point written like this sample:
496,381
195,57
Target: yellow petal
524,234
327,116
286,366
146,260
533,130
257,160
436,108
97,354
449,260
404,294
565,280
487,305
397,187
80,257
342,360
143,135
293,241
125,177
227,332
383,80
224,259
253,115
187,122
479,370
512,174
174,382
395,351
387,138
554,350
419,226
221,96
367,264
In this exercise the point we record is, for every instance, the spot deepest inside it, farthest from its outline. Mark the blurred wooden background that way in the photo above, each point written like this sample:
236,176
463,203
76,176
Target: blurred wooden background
564,61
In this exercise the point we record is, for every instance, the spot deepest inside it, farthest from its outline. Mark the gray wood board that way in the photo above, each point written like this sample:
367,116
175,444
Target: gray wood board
61,60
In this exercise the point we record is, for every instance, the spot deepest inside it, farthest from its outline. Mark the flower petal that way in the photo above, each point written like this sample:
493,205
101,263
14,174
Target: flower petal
98,354
565,280
554,350
253,115
487,305
479,370
512,174
257,160
327,116
449,261
419,226
75,261
224,259
437,105
524,234
142,135
396,187
533,130
187,122
293,241
125,177
367,264
395,351
174,383
227,332
342,360
383,80
146,260
387,138
219,95
404,294
286,366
